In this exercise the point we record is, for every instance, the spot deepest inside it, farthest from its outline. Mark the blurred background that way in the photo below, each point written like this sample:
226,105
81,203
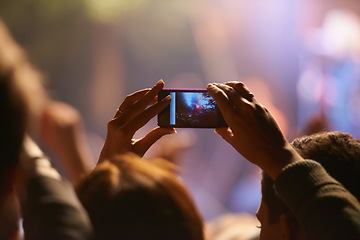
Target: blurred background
300,58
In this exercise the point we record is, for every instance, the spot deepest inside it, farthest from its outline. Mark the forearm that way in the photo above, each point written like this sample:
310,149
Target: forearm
62,131
275,160
76,161
324,208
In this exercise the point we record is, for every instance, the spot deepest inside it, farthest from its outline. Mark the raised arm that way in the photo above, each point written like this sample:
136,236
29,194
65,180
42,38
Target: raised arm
62,131
323,207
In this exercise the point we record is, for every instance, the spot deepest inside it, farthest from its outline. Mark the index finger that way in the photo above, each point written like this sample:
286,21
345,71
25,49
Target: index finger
132,98
222,100
144,117
219,96
238,100
144,102
242,89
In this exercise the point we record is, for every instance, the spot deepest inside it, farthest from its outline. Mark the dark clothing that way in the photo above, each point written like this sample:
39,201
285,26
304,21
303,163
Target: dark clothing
323,207
52,211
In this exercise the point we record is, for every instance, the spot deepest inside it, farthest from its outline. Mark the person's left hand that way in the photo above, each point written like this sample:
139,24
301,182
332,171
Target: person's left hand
136,110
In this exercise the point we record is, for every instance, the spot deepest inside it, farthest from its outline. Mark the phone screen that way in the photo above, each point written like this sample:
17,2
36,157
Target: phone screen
190,108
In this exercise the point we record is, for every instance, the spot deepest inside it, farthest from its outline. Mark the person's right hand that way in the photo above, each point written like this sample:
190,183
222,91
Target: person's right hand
252,131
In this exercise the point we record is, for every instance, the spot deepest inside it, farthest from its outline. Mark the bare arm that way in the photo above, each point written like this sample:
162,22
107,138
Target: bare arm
62,131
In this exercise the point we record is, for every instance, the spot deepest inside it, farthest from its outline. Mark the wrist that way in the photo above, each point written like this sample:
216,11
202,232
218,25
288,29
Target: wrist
280,160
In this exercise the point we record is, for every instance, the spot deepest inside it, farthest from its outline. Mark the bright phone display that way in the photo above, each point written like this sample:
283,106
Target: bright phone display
190,108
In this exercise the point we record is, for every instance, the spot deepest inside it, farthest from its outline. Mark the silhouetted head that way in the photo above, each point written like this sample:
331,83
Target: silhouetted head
21,94
131,198
338,153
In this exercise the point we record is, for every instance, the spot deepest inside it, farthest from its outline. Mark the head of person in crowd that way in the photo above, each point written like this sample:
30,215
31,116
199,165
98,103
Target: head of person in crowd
21,93
131,198
338,153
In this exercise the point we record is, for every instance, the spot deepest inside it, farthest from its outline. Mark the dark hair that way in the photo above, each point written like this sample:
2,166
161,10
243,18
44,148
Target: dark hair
21,98
338,153
132,198
13,107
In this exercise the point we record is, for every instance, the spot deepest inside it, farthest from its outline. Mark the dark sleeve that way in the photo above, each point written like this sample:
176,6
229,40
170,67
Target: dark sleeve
324,208
52,211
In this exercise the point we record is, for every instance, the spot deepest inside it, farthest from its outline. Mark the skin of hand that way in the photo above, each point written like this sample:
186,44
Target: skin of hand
252,131
61,130
136,110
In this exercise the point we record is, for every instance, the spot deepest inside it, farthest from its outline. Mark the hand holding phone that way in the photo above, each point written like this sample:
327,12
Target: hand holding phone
190,108
134,112
253,131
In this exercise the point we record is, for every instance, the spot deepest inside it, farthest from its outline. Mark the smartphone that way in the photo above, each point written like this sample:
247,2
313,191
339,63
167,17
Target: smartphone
190,108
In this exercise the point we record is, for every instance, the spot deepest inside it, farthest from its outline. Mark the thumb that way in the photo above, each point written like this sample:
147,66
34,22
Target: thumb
143,144
226,134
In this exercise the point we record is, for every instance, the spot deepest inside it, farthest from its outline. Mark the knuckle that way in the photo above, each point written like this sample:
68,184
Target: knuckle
260,108
240,84
111,123
234,82
217,93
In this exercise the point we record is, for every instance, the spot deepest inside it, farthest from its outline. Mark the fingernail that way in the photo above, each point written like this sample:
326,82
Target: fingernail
210,85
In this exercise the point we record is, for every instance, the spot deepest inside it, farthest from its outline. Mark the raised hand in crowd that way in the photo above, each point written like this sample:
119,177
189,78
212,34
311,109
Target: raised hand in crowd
252,131
62,132
136,110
